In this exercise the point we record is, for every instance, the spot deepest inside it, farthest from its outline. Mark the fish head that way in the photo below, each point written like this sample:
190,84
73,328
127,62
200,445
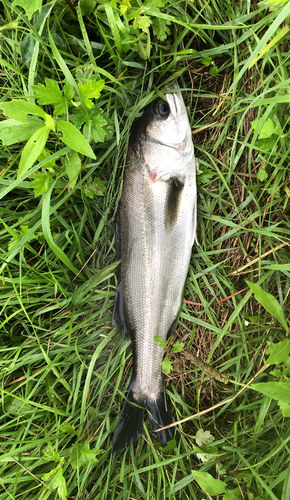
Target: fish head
170,124
167,146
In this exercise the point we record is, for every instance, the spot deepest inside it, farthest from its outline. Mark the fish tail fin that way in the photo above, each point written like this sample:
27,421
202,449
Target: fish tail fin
160,416
129,427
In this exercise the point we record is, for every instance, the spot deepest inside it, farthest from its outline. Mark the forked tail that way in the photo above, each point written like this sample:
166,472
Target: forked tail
160,416
129,428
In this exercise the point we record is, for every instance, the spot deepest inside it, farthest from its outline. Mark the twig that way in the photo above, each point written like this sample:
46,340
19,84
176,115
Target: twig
212,372
203,128
258,258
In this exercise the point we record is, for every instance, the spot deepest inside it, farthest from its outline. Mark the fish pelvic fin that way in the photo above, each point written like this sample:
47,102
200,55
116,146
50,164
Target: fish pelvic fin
160,416
172,328
129,427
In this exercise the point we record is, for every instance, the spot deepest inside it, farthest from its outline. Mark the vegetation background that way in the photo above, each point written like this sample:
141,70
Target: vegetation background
74,77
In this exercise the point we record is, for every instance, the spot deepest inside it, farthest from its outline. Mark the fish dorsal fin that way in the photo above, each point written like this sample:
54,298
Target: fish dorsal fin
176,185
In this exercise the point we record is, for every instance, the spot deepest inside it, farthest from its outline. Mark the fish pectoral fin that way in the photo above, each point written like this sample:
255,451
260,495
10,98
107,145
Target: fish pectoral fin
160,416
178,182
129,427
175,190
119,320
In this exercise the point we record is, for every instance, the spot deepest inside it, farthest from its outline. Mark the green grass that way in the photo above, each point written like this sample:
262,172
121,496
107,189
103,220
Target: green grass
63,369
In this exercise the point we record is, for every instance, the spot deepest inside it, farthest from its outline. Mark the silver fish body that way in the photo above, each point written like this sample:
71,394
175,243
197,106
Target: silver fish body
156,231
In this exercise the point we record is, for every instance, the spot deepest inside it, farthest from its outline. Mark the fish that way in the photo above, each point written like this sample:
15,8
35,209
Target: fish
155,232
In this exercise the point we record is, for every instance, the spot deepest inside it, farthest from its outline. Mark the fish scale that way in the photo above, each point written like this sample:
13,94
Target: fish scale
156,228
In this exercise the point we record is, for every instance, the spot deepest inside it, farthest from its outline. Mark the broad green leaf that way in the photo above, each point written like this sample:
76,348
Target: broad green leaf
30,6
55,480
178,347
32,150
208,484
124,6
87,6
46,154
170,445
74,139
285,408
40,183
203,437
265,145
140,21
68,91
78,118
91,89
94,187
214,70
82,455
262,175
160,341
232,494
15,131
49,93
49,122
278,352
161,28
60,109
268,128
143,49
68,428
51,455
269,303
206,60
58,40
167,365
277,373
98,132
27,49
18,109
73,167
275,390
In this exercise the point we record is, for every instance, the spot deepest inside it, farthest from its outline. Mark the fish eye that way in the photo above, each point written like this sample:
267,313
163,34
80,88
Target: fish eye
161,109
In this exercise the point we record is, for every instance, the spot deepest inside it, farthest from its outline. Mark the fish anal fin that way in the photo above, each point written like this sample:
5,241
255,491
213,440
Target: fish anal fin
119,320
160,416
176,185
129,427
172,328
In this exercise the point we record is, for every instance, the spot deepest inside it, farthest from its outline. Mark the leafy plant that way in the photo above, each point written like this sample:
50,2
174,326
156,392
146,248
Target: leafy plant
177,347
22,126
